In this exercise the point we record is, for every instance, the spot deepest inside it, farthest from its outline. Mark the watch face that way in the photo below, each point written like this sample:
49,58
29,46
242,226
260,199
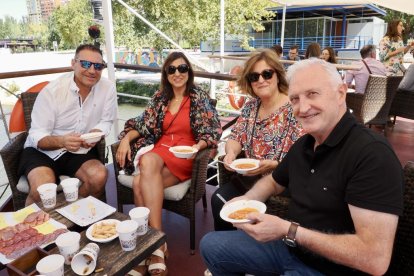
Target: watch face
289,242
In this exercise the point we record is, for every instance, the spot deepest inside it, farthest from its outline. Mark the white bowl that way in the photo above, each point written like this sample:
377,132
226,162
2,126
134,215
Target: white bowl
183,151
106,221
238,205
92,137
251,163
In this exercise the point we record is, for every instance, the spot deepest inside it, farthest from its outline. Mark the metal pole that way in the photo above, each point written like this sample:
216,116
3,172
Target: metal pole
282,38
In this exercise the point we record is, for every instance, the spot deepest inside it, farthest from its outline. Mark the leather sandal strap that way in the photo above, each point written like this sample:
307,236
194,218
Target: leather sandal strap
155,266
133,272
158,253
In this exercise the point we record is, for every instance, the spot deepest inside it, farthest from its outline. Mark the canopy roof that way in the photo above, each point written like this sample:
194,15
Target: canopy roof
406,6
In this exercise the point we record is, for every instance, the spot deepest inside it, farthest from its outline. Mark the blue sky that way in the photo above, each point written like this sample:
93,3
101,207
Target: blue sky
15,8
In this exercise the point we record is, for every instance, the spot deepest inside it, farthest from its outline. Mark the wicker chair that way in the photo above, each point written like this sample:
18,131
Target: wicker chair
11,153
184,206
372,107
276,205
402,262
403,105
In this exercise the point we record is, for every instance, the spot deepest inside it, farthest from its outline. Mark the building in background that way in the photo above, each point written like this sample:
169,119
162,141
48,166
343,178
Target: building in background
40,10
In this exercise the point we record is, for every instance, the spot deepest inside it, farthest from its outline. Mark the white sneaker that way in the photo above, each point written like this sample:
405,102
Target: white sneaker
207,273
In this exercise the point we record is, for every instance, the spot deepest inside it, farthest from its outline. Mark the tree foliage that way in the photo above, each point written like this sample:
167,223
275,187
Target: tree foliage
72,21
407,19
187,22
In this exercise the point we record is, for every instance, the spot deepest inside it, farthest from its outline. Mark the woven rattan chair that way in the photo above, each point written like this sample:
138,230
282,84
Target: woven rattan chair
184,206
402,262
276,205
403,105
372,107
12,151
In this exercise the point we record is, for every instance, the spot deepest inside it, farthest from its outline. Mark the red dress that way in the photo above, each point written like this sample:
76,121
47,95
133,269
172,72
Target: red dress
178,134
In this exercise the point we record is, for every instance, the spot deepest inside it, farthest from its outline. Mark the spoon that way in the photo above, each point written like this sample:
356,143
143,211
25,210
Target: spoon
221,198
166,145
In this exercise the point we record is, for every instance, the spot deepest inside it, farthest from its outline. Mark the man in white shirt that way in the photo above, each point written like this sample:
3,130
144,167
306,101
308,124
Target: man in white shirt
368,54
76,103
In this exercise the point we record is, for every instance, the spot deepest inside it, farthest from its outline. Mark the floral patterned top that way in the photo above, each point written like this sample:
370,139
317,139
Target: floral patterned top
204,122
394,64
269,138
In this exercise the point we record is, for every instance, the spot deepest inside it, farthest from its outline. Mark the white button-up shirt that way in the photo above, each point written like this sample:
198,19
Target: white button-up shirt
59,110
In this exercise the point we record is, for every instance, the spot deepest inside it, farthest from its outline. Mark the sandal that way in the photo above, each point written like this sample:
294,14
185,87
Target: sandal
159,268
140,270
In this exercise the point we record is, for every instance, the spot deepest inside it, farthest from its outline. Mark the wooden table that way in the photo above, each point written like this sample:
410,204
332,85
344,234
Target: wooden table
60,203
113,259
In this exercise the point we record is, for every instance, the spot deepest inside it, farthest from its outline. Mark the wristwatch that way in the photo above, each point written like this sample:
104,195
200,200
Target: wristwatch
290,238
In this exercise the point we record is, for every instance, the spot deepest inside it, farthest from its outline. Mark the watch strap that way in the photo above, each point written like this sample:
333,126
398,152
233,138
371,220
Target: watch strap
291,235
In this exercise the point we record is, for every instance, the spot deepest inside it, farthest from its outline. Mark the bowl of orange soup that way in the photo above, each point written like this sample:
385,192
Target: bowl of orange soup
243,165
183,151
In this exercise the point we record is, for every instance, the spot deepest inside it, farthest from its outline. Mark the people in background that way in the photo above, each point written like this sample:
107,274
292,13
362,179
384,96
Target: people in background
180,113
407,83
328,54
369,65
346,189
293,53
278,50
313,51
264,131
392,49
76,103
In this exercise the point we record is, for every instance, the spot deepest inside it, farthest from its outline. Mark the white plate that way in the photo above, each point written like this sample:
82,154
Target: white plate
236,162
241,204
177,151
92,137
89,231
86,211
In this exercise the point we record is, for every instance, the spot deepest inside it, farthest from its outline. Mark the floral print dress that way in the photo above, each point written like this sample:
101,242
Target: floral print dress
394,64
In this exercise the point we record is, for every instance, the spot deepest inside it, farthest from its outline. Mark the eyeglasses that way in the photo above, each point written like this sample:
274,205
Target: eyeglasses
87,64
266,74
182,68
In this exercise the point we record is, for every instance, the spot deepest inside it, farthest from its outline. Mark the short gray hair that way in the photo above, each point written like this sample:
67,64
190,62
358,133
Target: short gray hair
329,68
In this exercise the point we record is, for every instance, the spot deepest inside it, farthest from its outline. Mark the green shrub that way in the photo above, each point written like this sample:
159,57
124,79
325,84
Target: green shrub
134,88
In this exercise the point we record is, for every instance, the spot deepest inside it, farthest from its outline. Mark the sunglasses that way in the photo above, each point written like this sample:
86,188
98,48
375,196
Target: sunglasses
266,74
182,68
87,64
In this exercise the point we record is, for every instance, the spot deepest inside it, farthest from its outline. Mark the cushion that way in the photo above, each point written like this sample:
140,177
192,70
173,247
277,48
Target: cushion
23,185
175,193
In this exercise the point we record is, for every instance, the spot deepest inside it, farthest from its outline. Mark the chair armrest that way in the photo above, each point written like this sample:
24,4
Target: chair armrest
114,148
101,147
10,154
199,173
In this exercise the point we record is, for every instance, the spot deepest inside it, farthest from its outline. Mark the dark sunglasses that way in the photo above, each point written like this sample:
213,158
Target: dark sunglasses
87,64
182,68
266,74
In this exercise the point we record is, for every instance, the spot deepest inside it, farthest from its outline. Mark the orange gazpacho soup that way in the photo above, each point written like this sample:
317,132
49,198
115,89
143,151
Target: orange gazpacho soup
242,213
183,150
245,166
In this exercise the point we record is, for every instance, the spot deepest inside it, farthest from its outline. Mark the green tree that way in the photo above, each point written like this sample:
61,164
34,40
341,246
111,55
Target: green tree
10,28
187,21
72,21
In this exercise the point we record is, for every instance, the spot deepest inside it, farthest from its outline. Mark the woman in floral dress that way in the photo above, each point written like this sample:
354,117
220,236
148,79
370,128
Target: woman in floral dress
392,49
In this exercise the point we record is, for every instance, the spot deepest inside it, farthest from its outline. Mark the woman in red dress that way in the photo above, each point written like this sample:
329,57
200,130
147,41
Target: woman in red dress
179,114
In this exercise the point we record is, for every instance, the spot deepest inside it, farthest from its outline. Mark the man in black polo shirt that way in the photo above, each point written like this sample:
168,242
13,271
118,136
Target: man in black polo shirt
346,189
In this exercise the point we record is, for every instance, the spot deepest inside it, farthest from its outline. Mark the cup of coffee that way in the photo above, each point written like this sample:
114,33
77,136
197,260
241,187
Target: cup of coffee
47,194
68,244
140,215
127,231
70,188
51,265
84,262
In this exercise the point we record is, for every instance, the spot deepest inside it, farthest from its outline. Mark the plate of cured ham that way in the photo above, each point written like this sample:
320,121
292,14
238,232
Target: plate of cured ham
86,211
24,230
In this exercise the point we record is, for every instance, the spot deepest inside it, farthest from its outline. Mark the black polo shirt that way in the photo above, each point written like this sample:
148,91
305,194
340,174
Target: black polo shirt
353,166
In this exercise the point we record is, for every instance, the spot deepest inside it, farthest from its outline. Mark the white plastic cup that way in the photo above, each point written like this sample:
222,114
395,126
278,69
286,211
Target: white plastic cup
127,231
51,265
70,188
68,244
47,194
84,262
140,215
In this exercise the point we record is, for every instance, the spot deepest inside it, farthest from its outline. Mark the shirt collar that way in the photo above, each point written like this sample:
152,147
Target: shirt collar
341,129
74,87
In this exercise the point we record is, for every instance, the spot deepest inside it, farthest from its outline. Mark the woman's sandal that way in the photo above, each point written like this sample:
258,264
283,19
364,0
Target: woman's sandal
140,270
159,269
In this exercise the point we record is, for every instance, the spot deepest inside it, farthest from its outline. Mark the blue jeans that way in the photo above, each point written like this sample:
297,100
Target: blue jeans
229,253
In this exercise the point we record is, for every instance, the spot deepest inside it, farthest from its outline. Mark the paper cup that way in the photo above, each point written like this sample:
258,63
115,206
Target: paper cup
70,188
51,265
127,231
84,262
68,244
140,215
47,193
